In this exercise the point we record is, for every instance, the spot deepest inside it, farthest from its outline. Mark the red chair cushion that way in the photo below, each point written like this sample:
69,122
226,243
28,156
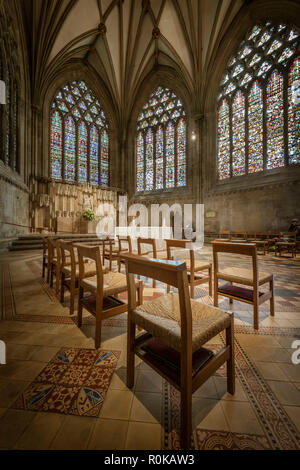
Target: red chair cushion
241,292
171,358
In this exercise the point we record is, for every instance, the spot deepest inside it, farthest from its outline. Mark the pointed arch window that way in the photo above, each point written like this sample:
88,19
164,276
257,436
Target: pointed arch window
161,143
259,103
79,139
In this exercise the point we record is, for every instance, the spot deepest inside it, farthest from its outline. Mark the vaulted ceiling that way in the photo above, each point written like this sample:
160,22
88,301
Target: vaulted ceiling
124,39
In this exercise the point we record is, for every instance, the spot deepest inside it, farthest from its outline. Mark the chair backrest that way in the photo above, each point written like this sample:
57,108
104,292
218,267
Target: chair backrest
240,235
146,241
67,254
290,235
169,272
51,242
246,249
185,244
108,244
125,243
262,235
91,253
225,234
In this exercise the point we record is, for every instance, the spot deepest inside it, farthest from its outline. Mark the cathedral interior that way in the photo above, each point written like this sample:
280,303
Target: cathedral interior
149,225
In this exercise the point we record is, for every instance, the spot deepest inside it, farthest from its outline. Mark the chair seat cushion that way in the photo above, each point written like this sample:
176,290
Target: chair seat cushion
242,276
161,318
237,291
160,351
113,283
89,302
90,270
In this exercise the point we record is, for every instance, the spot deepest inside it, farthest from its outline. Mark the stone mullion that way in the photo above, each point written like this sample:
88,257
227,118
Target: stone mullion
164,157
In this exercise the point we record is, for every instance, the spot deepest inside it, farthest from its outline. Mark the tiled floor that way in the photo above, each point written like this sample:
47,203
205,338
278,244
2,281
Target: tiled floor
35,326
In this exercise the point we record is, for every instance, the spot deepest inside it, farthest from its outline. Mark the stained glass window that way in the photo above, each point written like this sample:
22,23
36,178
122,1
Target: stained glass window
82,153
161,143
251,91
224,141
56,145
181,152
94,155
255,129
78,116
149,160
294,112
275,131
238,134
140,162
159,158
8,118
69,149
104,158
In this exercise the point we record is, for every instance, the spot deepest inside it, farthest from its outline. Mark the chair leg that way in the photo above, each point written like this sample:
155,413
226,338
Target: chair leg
48,271
192,290
43,268
51,276
57,281
62,288
168,288
186,414
72,296
210,281
79,310
272,309
130,353
98,330
216,300
140,293
154,283
255,309
230,362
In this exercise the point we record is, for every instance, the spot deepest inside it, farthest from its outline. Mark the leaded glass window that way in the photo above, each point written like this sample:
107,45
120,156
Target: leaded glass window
161,143
79,142
259,103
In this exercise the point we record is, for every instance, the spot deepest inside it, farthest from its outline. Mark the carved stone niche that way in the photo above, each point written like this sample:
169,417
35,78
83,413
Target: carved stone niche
59,206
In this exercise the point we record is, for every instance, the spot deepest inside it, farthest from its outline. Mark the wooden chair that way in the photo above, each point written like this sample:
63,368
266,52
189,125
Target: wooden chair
152,252
52,259
176,329
250,278
224,235
240,237
194,266
103,289
125,246
45,257
287,241
262,241
110,251
70,272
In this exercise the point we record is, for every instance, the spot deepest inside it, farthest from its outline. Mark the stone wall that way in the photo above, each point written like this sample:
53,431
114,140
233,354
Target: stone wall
14,208
257,209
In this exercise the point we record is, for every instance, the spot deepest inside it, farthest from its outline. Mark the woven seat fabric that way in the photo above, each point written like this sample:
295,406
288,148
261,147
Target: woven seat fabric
89,269
198,264
161,318
242,276
113,283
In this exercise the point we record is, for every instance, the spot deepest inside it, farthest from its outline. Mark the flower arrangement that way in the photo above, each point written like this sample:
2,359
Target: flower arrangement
89,215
